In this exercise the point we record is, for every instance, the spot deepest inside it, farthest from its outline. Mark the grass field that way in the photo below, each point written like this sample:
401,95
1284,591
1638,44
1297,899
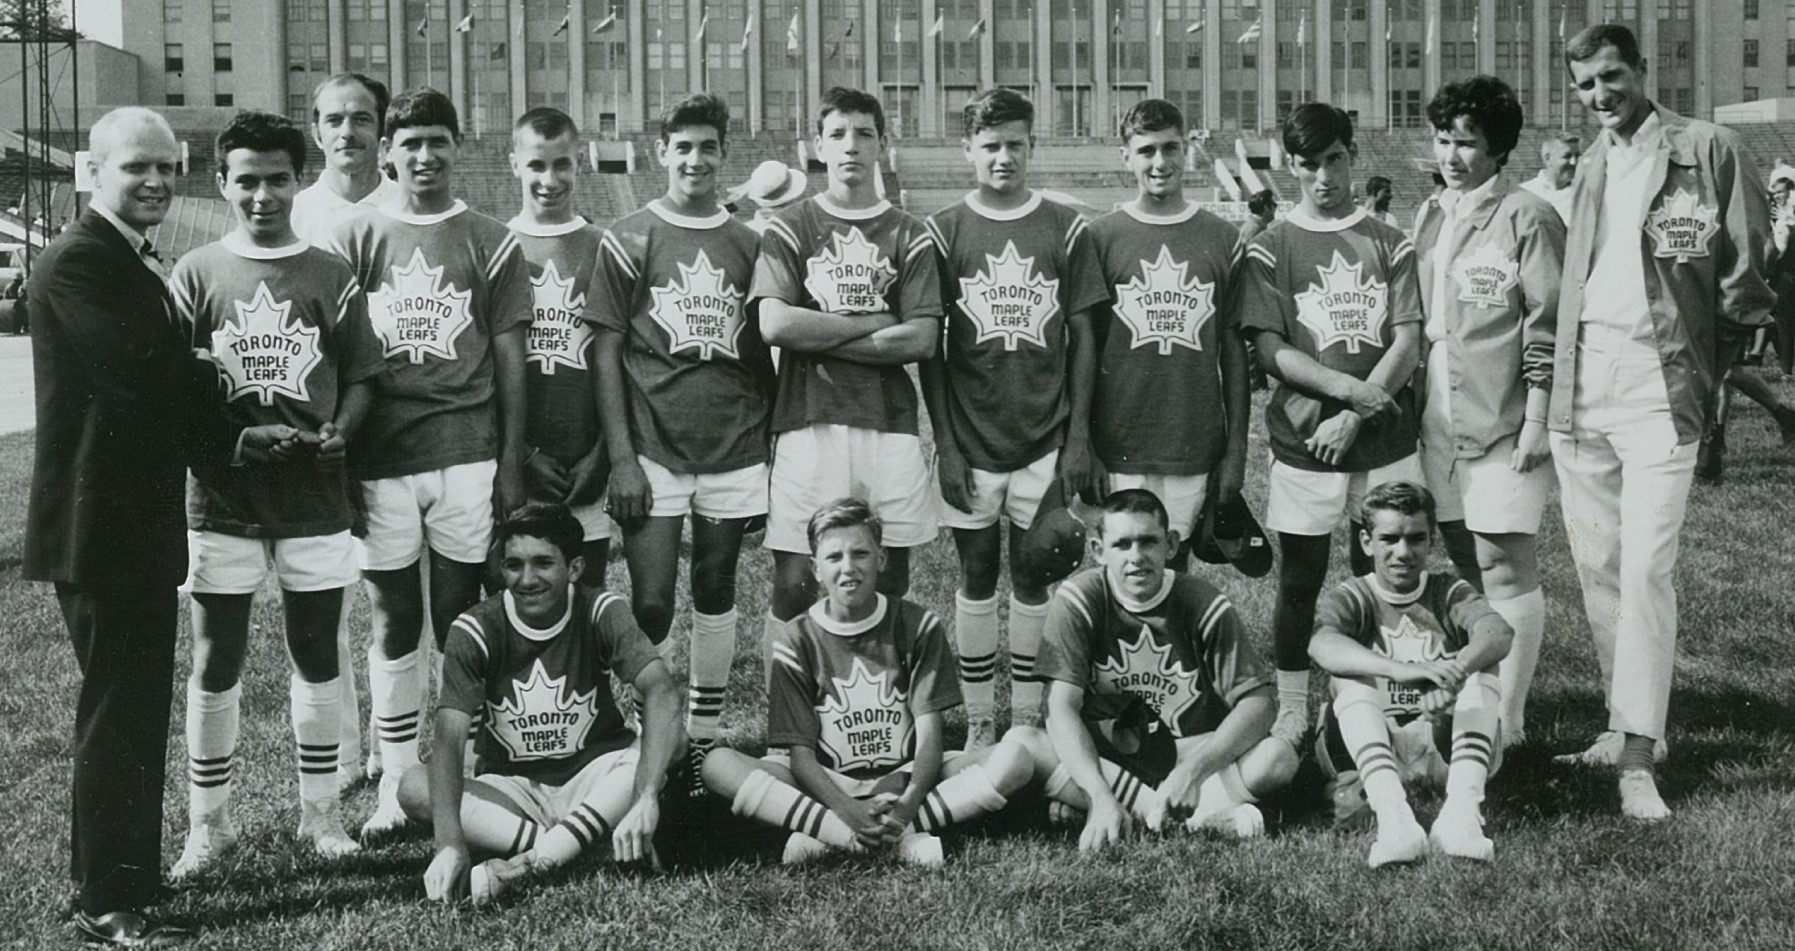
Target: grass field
1569,872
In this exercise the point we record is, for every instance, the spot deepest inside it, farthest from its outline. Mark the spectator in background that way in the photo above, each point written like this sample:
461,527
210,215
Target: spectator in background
1558,155
1262,207
1782,267
1376,200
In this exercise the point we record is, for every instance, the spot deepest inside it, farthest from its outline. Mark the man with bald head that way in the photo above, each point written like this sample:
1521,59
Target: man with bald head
1558,156
124,406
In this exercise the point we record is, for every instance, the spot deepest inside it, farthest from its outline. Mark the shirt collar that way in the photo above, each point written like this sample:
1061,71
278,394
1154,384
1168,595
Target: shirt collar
136,238
819,615
1645,138
1459,204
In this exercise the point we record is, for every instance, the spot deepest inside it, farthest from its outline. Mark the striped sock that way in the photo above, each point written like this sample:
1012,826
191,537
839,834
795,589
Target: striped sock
1367,736
767,799
211,747
1026,690
316,709
397,693
491,827
713,653
975,633
1473,731
575,833
965,795
1131,791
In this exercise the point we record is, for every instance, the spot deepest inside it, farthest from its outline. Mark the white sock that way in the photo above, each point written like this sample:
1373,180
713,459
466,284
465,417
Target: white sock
767,799
1221,792
491,827
1026,691
713,653
962,796
1474,719
1361,717
396,692
975,636
349,752
211,747
1293,691
665,649
316,710
1527,616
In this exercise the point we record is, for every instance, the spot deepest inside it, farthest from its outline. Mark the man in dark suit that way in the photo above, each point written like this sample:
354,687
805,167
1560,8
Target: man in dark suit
123,407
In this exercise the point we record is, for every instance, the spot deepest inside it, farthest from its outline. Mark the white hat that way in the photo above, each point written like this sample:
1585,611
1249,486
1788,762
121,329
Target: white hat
773,184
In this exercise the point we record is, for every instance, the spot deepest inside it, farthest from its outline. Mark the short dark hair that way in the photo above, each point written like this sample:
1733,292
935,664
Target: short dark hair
1403,498
844,513
422,106
1314,128
1263,200
1135,501
375,88
1590,40
846,99
260,132
552,522
700,108
1377,184
1151,115
546,121
994,107
1488,104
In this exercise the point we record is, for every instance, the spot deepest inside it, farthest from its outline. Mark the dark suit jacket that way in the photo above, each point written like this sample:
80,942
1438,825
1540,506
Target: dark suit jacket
123,407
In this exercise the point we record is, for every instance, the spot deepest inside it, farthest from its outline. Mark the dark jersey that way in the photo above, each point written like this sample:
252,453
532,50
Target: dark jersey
561,410
1433,622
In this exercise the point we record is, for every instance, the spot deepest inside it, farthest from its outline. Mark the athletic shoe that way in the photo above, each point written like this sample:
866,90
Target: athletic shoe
1062,816
322,823
1710,458
981,732
494,878
1398,842
1244,821
800,848
695,755
207,841
921,849
1458,831
1291,726
388,816
1605,751
1639,797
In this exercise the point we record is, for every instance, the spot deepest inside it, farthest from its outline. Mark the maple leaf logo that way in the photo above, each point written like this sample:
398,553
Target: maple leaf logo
541,719
1682,226
415,314
851,277
1486,275
1407,642
1009,300
699,311
865,721
558,335
1164,306
266,350
1147,670
1346,308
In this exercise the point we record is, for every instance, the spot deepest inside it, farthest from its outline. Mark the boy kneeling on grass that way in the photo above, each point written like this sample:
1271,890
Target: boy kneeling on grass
859,683
557,770
1413,658
1158,708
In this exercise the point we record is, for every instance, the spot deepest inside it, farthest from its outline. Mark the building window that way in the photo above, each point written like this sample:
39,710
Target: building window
1751,9
1750,94
221,11
1789,56
223,99
174,99
1249,55
173,60
171,11
1751,54
221,57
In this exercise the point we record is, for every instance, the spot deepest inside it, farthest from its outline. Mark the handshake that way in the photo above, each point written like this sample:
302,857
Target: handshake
277,442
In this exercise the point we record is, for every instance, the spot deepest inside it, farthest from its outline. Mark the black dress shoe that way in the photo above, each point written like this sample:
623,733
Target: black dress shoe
128,929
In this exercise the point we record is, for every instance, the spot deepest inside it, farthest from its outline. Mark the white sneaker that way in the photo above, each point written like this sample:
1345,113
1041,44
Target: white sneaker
1243,821
1398,842
1605,751
800,848
921,849
388,816
322,823
1458,831
494,878
1639,797
207,841
981,732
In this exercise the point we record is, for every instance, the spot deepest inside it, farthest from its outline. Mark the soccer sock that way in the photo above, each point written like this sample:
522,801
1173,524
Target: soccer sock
349,719
317,711
665,649
1221,792
1293,691
975,634
1635,754
1527,616
713,652
396,692
1135,796
491,827
767,799
590,822
211,746
1367,737
1026,690
1474,719
965,795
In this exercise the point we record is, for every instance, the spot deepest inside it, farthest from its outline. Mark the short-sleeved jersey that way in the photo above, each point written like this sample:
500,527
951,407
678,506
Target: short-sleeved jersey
853,693
543,697
561,411
1184,653
1012,279
699,378
317,210
1336,291
1433,622
288,328
1157,408
440,287
841,261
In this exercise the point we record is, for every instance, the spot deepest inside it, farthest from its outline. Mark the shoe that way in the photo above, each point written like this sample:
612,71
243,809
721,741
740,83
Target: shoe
494,878
1639,797
800,848
695,788
1062,816
1710,459
981,732
1458,831
388,816
321,822
1398,842
128,929
1291,726
1605,751
1513,737
1243,821
921,849
207,842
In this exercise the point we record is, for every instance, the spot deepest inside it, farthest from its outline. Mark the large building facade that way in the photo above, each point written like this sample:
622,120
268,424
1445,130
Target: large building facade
1231,64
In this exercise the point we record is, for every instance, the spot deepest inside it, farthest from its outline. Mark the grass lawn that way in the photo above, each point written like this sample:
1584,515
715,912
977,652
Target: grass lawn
1569,872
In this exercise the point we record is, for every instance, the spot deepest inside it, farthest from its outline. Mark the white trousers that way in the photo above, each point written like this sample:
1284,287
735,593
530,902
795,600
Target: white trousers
1624,487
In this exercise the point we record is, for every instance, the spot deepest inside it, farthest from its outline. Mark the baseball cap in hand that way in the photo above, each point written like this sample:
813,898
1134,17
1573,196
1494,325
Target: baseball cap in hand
1228,534
1053,546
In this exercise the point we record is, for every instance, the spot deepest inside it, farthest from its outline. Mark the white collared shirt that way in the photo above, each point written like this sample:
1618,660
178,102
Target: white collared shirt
1619,316
317,210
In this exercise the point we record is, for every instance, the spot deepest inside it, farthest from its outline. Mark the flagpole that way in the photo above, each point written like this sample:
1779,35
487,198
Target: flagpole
1075,97
898,41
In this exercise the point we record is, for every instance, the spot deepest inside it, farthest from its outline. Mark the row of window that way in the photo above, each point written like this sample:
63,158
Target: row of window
174,58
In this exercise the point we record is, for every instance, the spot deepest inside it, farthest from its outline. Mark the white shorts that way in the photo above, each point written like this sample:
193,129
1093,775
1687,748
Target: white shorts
595,525
547,805
1303,502
825,462
448,509
858,788
738,493
1015,495
1182,495
231,564
1485,493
